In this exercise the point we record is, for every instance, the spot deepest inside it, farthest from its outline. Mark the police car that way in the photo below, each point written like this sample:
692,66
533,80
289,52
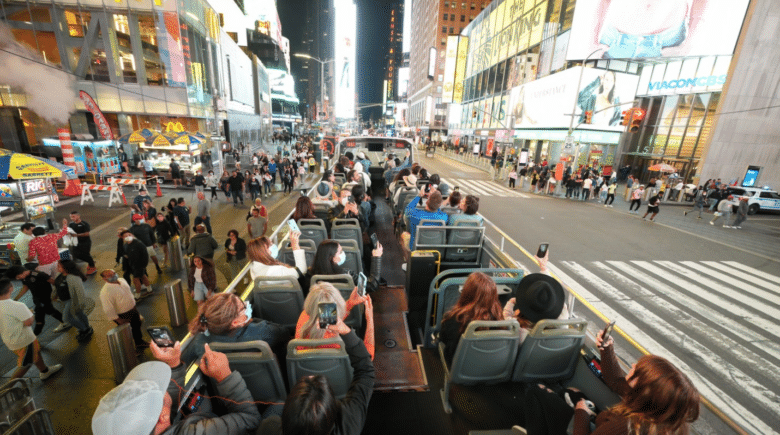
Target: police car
758,199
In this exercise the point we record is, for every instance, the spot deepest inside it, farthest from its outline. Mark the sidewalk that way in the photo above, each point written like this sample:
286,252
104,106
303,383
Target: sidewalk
760,234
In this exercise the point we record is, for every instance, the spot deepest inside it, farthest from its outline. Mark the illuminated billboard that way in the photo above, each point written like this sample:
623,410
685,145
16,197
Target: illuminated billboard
344,75
450,59
432,53
547,102
281,83
685,28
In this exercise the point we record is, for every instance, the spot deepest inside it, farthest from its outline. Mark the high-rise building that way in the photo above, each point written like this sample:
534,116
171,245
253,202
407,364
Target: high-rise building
394,59
318,42
431,22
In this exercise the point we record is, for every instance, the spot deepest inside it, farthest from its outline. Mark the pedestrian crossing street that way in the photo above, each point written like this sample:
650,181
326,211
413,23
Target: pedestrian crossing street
715,320
483,188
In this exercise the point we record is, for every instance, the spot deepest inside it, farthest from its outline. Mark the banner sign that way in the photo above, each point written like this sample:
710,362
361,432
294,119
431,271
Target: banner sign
100,119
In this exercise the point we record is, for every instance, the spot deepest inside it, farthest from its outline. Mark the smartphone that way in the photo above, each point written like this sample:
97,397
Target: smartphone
361,284
327,313
293,225
607,331
162,336
374,241
350,200
542,251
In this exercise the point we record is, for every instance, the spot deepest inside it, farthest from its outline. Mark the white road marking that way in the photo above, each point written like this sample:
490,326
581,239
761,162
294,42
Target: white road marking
742,275
757,272
738,285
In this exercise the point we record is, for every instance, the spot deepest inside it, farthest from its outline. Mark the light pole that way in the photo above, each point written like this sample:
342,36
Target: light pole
322,77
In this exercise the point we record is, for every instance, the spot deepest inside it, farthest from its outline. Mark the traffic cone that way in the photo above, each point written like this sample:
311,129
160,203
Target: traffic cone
159,191
72,188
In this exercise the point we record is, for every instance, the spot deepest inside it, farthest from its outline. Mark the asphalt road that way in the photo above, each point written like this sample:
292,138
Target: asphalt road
703,296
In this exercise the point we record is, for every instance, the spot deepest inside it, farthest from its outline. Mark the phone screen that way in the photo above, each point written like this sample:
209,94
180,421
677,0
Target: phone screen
293,225
607,331
327,313
361,284
374,241
162,336
542,251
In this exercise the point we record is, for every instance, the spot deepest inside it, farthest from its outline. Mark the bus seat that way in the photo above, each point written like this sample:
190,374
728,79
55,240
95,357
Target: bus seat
444,292
258,366
431,235
35,422
313,229
309,249
347,229
550,351
321,212
340,179
485,356
278,300
310,360
465,238
406,196
345,286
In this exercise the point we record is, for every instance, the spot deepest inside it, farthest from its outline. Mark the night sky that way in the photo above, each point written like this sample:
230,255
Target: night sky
372,46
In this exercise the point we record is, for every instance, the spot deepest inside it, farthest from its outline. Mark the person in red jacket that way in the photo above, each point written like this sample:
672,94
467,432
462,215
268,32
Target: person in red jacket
44,246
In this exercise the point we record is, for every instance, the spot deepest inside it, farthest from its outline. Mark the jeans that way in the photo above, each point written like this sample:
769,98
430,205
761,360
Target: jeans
135,324
79,320
255,191
738,221
267,185
237,195
213,192
638,203
610,199
585,194
42,308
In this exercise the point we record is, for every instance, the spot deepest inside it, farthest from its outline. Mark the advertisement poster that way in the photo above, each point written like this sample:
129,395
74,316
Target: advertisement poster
641,29
344,74
547,102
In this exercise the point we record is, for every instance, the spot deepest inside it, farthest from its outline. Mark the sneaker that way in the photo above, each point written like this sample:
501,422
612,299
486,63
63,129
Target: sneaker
63,327
644,219
651,220
52,370
726,226
85,336
739,228
685,213
698,217
712,223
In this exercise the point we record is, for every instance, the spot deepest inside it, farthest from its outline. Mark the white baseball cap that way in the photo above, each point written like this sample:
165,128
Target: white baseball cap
133,407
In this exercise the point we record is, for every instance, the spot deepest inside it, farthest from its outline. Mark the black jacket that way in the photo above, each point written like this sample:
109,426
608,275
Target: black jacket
353,407
240,249
164,231
144,233
136,254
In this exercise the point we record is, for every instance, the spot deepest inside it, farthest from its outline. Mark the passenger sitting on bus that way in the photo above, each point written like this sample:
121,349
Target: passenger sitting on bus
540,297
444,188
362,200
311,407
364,161
304,209
388,175
330,257
262,253
144,402
363,178
225,318
415,215
398,182
452,206
346,162
657,398
478,301
469,206
325,292
346,208
339,168
324,192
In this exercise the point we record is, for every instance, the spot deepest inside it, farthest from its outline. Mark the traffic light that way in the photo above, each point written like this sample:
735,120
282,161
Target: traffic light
588,116
626,117
474,114
636,119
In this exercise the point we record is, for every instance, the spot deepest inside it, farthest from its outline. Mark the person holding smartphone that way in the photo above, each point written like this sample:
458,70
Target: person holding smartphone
262,252
308,325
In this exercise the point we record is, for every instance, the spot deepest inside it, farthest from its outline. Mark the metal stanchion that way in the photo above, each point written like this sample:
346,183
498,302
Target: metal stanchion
122,350
175,297
176,254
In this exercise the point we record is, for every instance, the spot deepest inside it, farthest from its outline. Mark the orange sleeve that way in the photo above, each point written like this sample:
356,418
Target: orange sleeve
302,319
350,305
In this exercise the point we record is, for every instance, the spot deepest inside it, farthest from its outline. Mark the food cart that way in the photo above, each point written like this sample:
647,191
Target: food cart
32,197
99,157
186,155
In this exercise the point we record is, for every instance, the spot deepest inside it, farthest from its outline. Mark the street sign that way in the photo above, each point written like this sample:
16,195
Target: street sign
569,140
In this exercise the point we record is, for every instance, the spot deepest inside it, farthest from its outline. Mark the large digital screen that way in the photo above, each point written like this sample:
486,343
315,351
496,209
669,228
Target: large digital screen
547,102
432,54
344,74
641,29
281,83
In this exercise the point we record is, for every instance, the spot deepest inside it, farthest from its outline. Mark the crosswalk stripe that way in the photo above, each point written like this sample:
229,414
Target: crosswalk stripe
499,189
742,275
483,188
738,312
757,272
726,371
739,285
472,188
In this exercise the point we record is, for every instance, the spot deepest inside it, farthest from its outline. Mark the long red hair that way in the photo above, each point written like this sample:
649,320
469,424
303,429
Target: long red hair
478,301
663,400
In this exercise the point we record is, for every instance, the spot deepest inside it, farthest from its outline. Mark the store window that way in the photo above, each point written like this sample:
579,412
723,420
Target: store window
77,22
155,71
568,14
127,62
45,42
664,125
98,66
706,128
698,113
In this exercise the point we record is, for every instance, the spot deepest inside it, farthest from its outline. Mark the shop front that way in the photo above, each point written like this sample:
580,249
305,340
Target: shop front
161,156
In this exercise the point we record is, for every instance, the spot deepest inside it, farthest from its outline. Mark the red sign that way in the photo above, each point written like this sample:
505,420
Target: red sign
100,119
606,171
559,171
489,147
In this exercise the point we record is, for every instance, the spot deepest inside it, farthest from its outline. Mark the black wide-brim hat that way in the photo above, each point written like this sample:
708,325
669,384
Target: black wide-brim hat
539,296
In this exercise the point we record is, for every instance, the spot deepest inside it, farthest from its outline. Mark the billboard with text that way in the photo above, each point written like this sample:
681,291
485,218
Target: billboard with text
344,74
652,29
547,102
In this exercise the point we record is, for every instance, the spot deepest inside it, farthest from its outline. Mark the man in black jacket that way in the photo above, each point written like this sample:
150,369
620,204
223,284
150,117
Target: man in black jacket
236,183
137,258
145,233
335,417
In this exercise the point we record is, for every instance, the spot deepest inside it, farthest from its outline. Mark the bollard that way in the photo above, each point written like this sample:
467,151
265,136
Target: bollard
176,308
122,350
176,254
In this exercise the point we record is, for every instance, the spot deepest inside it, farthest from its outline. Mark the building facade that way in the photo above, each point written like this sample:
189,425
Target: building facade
318,42
394,60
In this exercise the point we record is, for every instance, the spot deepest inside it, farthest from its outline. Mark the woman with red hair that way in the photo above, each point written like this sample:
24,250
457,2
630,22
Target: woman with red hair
478,301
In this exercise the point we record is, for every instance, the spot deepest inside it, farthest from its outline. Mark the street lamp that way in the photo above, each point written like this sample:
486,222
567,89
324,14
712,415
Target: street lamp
322,75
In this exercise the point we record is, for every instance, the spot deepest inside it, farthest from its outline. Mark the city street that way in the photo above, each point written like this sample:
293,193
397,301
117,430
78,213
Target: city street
704,296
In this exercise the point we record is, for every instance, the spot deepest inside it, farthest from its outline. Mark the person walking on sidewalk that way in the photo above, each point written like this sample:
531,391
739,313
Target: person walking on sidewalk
698,204
742,211
44,247
653,206
724,211
82,250
203,244
236,183
610,194
119,305
212,182
39,285
69,288
204,212
586,186
629,187
137,260
636,199
145,233
16,332
182,214
512,178
202,279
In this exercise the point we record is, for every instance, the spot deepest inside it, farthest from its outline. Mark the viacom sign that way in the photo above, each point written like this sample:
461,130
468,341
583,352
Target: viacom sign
687,84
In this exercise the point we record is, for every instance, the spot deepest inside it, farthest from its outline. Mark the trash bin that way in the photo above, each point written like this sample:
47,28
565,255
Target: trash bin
122,350
176,308
176,254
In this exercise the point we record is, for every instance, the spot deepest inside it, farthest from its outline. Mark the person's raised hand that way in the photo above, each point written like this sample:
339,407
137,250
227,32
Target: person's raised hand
378,251
339,328
294,237
214,364
168,355
543,261
356,298
601,343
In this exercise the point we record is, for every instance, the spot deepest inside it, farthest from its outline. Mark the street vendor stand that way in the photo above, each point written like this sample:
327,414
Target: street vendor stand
101,157
186,155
